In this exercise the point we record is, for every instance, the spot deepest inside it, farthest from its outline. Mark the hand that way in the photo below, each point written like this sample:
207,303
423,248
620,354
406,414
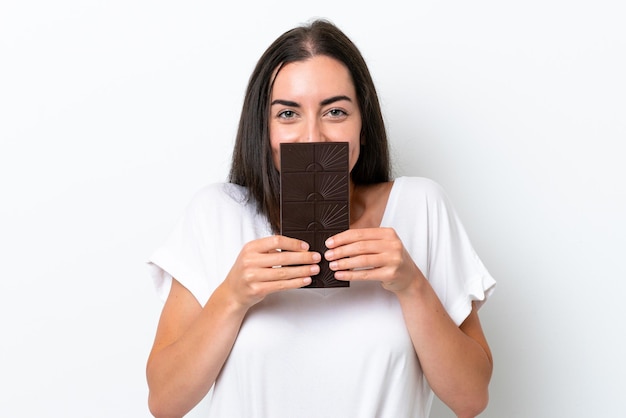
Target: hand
372,254
269,265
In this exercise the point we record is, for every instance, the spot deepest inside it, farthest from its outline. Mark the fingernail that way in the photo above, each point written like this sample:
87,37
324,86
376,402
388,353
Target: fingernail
304,245
333,265
329,242
315,269
317,257
329,254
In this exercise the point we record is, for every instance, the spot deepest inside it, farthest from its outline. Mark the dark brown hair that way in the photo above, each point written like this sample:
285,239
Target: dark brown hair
252,162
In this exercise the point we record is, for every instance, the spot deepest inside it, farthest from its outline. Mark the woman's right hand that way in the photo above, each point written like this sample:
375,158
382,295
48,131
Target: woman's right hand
193,341
269,265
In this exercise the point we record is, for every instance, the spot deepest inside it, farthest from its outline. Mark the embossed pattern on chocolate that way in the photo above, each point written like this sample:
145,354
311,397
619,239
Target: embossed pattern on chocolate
315,197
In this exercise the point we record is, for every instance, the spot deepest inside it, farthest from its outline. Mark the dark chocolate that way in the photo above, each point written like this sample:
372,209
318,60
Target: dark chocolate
315,198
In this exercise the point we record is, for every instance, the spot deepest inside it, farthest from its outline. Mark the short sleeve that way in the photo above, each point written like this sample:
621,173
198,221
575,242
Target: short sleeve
180,256
455,271
205,242
432,231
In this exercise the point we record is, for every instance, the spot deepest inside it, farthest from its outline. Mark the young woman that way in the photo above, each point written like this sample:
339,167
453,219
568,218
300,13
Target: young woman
240,329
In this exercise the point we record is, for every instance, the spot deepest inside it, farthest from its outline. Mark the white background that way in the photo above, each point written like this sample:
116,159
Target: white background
113,113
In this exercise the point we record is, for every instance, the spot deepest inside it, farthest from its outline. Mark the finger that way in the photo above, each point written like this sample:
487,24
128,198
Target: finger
275,243
354,235
290,258
278,274
356,249
280,242
295,272
361,275
358,262
280,285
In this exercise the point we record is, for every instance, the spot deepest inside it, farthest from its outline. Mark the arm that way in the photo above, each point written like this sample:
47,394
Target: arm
455,360
193,342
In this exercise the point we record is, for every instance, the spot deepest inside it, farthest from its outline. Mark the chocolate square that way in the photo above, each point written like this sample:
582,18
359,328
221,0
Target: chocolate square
315,197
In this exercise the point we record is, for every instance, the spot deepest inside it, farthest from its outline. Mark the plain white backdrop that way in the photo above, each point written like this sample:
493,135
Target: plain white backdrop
113,113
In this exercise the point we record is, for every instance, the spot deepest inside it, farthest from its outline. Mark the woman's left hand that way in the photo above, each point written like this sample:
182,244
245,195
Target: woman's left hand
372,254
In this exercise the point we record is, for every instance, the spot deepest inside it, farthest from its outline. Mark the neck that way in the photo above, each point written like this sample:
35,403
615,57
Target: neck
368,203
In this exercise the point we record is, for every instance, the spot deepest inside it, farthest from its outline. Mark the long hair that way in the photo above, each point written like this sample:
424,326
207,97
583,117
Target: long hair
252,163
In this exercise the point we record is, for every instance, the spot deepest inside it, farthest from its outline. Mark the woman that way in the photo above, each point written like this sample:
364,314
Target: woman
238,328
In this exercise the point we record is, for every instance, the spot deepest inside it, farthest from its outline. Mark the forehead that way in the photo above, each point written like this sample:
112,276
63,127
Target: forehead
318,75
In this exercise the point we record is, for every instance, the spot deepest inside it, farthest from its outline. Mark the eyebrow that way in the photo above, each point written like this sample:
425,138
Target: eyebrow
324,102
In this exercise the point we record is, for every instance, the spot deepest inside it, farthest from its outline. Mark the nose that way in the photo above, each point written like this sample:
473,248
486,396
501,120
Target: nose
314,131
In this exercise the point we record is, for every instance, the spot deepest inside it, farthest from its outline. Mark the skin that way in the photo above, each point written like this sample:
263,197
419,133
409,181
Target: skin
315,100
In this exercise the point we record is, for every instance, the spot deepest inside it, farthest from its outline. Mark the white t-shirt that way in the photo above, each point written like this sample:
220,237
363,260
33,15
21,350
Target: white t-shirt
340,352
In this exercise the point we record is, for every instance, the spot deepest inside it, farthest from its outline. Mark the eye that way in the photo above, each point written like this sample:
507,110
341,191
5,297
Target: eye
287,114
336,113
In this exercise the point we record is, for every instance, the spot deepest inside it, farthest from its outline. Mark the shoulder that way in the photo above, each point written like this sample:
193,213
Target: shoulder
419,199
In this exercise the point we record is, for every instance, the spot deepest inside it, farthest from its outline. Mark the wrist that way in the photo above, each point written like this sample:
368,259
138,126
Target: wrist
415,288
228,300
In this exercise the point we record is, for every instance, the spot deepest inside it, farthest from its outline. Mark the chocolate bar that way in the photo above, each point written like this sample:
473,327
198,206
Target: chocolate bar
315,198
